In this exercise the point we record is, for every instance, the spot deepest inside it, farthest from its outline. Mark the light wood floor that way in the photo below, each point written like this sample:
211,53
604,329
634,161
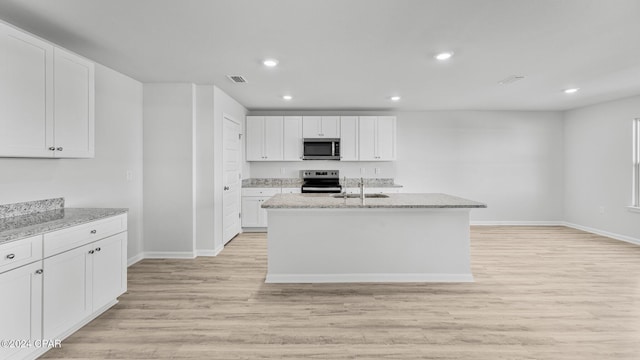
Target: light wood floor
540,293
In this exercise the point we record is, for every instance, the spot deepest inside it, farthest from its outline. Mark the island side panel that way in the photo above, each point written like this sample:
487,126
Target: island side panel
368,245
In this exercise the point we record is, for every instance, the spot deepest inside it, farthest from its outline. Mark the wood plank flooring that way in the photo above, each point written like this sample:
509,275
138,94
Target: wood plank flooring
540,293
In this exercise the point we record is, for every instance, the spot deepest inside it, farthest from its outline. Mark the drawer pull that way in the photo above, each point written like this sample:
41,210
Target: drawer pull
39,271
11,256
98,249
94,231
91,252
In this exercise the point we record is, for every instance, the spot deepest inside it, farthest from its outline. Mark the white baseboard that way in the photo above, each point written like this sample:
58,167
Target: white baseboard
134,259
517,223
356,278
213,252
254,230
169,255
608,234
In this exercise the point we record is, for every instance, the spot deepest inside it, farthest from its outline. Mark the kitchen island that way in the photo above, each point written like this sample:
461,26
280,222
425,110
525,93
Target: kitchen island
316,238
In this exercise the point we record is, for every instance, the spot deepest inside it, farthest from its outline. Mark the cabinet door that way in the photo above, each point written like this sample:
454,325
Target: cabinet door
255,138
311,126
273,138
367,138
26,95
386,138
292,138
20,308
262,213
251,211
349,138
73,105
330,127
253,215
109,269
66,299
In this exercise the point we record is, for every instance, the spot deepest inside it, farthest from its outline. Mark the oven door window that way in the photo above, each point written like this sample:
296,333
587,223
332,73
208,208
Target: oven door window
318,148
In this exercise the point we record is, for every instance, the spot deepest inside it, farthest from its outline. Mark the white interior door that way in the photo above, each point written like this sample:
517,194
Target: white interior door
232,179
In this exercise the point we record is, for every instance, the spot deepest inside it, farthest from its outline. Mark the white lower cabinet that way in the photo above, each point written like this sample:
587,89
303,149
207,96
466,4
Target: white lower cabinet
81,281
76,275
253,215
109,265
66,287
20,310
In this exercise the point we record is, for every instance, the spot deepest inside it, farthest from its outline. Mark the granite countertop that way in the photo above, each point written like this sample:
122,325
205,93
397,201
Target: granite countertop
321,201
296,183
18,227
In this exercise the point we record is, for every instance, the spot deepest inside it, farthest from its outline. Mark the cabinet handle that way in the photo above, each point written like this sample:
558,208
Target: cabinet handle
52,148
59,149
11,256
91,252
98,249
39,271
94,231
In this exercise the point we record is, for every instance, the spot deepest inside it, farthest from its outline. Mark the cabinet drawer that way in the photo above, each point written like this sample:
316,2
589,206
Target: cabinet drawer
20,252
63,240
291,190
260,191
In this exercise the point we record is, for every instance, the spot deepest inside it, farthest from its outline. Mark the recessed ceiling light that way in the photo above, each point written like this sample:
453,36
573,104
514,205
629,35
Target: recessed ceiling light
270,63
444,55
287,97
395,98
571,91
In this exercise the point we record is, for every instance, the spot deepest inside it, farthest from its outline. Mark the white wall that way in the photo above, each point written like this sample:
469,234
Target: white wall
169,170
512,160
598,144
183,168
204,155
97,182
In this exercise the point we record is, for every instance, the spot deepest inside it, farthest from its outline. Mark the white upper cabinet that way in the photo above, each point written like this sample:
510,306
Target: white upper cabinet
26,95
255,138
281,138
321,127
264,138
292,138
377,138
46,99
349,138
73,105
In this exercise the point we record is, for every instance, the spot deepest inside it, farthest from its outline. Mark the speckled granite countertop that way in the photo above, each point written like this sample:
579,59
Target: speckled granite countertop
296,183
320,201
18,227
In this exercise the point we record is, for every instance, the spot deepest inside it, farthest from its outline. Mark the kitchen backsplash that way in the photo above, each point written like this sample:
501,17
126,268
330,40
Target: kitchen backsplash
30,207
288,182
276,169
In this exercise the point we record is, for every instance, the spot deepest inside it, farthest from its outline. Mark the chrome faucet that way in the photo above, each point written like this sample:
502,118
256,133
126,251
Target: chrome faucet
362,190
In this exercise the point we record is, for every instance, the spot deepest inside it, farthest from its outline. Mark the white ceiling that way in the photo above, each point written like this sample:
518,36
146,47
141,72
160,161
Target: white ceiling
355,54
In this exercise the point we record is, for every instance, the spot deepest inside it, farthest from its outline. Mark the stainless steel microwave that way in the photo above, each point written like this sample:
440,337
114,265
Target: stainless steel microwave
321,149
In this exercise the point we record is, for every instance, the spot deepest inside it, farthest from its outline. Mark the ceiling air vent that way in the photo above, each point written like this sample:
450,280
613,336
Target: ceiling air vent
510,79
237,79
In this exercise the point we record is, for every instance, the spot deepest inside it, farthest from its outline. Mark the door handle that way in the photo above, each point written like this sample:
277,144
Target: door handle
226,188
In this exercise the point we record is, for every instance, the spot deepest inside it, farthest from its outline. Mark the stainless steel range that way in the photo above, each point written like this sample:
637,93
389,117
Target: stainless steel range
321,181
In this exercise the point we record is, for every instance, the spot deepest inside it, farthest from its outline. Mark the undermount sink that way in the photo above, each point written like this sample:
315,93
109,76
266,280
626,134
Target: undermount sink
357,196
